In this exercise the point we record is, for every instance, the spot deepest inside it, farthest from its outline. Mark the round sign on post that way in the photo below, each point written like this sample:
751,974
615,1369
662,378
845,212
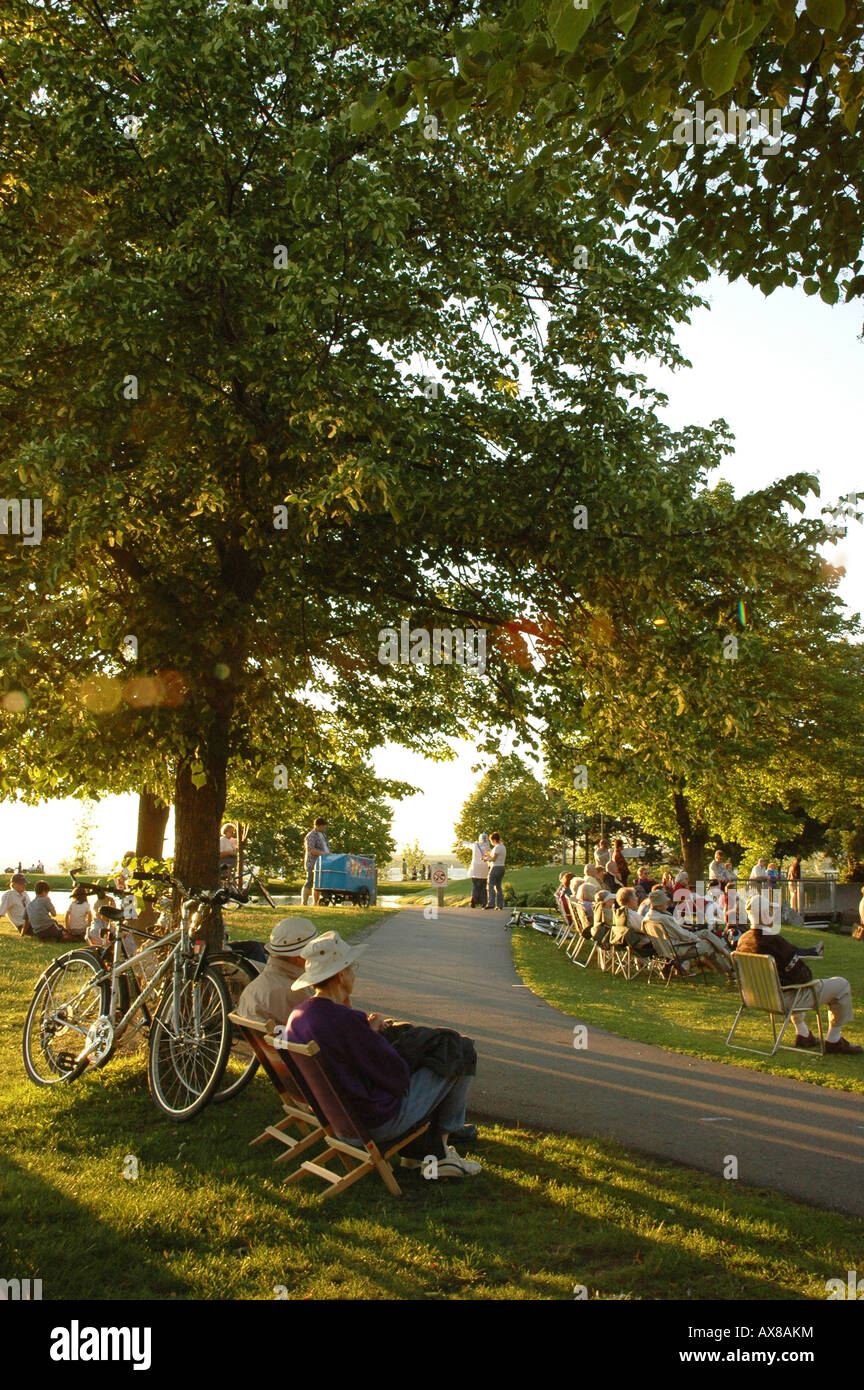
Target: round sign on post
438,878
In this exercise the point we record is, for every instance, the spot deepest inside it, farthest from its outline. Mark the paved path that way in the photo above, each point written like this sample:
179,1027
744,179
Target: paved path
803,1140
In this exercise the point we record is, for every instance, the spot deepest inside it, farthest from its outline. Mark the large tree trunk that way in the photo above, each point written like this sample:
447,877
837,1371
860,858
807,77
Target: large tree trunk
153,816
198,815
694,838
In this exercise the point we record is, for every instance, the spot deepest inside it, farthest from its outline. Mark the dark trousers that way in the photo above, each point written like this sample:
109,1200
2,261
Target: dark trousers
478,892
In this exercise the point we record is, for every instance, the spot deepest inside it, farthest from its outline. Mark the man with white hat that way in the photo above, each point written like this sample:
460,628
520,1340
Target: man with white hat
764,939
271,996
386,1097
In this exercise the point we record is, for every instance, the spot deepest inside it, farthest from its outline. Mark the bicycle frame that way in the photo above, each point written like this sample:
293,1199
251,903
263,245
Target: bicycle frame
181,953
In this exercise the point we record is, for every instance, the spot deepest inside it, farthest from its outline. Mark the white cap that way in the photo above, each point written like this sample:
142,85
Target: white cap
289,935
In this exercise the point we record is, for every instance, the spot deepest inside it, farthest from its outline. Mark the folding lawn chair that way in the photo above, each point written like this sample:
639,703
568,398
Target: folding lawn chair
347,1139
674,953
761,990
298,1114
582,937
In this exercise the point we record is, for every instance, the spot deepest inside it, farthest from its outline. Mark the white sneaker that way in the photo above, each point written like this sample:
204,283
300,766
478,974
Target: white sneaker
464,1167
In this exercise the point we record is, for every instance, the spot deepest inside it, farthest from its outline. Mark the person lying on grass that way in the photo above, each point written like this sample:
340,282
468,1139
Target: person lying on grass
764,939
386,1096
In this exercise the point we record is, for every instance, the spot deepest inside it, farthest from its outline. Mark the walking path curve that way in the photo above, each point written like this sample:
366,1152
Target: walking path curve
803,1140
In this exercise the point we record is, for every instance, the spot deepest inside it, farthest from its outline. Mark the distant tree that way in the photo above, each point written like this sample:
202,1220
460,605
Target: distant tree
83,849
510,799
413,855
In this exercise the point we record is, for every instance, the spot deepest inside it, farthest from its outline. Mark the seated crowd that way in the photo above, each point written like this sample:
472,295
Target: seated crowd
652,916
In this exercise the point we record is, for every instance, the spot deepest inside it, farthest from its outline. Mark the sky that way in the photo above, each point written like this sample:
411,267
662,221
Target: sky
787,374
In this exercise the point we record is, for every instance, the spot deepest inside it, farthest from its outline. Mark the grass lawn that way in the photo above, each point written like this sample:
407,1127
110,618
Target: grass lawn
691,1017
208,1217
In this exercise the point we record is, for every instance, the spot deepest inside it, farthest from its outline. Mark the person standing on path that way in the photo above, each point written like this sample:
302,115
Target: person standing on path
618,864
496,872
481,851
315,844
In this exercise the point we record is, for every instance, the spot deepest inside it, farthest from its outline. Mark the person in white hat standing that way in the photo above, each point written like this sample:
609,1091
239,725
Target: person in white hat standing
271,995
385,1095
764,939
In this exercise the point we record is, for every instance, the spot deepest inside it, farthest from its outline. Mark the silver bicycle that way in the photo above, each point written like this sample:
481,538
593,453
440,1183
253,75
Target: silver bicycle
89,998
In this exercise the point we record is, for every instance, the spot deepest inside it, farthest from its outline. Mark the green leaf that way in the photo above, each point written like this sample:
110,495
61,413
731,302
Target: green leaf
719,66
624,13
830,293
567,23
827,14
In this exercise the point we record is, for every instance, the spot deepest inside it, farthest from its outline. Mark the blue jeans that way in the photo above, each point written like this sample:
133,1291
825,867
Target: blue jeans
496,874
426,1090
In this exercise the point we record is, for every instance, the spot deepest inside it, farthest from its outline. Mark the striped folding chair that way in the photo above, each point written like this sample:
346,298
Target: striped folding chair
761,991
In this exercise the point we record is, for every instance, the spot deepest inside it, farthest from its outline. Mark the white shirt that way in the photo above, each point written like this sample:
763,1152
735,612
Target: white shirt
12,905
719,871
759,871
601,856
479,866
499,856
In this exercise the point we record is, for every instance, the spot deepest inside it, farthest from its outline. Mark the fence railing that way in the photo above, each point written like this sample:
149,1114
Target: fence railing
811,897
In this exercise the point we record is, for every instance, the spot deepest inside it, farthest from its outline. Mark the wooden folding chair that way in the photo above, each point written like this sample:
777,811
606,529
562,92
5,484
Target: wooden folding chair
298,1113
760,989
347,1139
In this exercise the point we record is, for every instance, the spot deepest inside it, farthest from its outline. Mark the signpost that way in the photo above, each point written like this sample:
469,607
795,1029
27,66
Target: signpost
438,877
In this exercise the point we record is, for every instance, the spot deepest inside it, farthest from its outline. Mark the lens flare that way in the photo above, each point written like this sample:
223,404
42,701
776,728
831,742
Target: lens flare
742,612
15,701
100,694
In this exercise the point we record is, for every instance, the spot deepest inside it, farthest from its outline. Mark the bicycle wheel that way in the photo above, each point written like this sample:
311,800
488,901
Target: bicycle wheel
72,994
242,1063
188,1049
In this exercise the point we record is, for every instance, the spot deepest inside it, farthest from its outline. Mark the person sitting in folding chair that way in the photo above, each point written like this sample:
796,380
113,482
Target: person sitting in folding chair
387,1097
715,950
764,938
271,994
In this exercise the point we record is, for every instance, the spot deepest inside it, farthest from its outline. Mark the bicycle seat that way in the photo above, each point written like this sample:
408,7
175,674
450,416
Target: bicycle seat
111,914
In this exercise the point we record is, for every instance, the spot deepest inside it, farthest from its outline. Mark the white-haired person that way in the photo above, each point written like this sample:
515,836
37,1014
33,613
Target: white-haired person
386,1096
591,885
271,995
481,850
707,943
764,939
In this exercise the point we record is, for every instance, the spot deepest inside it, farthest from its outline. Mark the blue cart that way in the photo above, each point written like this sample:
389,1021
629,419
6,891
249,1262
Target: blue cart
346,878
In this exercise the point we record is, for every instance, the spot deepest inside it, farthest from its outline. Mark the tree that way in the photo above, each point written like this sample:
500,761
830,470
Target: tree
221,311
510,799
413,855
614,78
82,849
279,802
711,705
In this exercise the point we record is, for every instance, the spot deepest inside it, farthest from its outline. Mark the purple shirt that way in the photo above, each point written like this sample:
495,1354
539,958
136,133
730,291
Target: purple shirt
369,1073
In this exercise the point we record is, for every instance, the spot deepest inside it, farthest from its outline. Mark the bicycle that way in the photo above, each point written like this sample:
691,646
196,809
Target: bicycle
91,995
